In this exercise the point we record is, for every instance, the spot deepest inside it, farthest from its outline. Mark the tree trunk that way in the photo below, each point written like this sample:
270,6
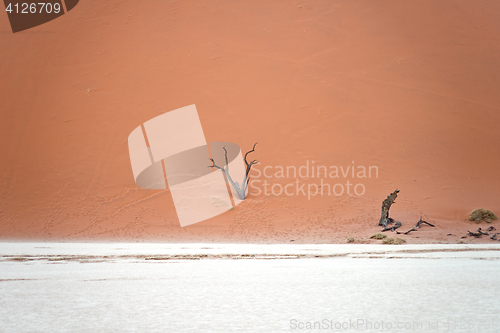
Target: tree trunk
386,205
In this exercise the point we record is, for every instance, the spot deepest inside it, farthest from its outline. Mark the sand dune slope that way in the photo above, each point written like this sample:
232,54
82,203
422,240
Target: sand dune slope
408,88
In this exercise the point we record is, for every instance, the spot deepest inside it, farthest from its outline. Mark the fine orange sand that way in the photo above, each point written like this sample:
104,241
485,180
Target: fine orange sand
410,87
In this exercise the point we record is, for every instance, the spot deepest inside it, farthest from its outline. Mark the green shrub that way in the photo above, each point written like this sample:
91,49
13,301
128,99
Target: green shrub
378,236
480,214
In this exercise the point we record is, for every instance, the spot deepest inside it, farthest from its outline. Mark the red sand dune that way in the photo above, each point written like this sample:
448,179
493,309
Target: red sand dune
410,87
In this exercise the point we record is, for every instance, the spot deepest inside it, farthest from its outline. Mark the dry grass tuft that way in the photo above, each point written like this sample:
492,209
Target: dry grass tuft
480,214
393,241
378,236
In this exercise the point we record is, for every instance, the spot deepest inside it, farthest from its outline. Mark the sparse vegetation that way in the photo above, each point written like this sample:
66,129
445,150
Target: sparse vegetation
350,240
480,214
400,241
389,240
393,241
378,235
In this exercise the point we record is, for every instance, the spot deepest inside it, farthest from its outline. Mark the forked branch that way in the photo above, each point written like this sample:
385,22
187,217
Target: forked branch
241,190
249,165
419,224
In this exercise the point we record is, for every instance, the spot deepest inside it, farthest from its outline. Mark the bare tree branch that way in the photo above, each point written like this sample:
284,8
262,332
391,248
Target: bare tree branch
214,165
249,165
419,224
248,152
396,226
241,190
479,233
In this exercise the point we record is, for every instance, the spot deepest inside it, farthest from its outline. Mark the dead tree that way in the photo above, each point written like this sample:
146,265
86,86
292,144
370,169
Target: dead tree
386,205
419,224
241,190
396,226
385,220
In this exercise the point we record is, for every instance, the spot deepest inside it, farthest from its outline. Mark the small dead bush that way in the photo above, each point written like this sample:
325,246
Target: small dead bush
378,235
480,214
393,241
